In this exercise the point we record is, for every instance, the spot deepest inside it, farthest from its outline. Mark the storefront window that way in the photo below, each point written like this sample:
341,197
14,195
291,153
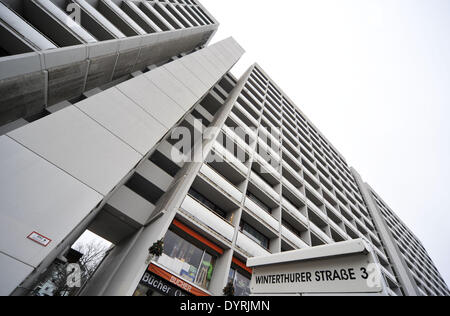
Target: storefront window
187,260
204,274
241,283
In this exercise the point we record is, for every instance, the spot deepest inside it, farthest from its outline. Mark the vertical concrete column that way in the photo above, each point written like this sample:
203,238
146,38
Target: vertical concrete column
125,278
244,186
275,244
404,276
221,271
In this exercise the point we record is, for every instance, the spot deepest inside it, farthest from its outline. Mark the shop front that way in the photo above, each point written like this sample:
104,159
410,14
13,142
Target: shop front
187,266
157,281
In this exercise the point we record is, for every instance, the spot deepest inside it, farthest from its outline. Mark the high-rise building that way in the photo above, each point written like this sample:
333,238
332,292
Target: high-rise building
412,260
127,123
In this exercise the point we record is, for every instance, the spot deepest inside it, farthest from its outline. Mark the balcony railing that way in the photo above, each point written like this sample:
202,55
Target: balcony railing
294,212
256,179
246,114
230,133
268,167
388,274
221,182
320,233
294,190
261,214
274,155
230,158
293,238
207,217
242,125
250,247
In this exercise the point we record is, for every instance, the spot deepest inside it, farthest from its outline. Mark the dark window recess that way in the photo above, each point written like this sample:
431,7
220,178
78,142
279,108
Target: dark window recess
144,188
255,170
38,116
255,199
288,199
202,199
226,85
165,163
255,235
220,93
291,228
198,116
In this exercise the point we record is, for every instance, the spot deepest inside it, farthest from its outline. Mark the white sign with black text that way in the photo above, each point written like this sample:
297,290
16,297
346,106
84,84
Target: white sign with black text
351,272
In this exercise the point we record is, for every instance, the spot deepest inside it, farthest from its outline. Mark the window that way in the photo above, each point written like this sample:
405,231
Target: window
241,283
254,235
187,260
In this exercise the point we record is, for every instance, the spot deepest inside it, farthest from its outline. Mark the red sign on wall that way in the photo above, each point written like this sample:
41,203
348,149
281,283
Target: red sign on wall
177,281
39,239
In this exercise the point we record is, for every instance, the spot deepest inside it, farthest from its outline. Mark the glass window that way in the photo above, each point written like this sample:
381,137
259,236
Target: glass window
241,283
205,271
187,260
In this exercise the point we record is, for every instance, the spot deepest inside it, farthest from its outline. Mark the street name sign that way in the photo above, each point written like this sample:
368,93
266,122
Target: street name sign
346,267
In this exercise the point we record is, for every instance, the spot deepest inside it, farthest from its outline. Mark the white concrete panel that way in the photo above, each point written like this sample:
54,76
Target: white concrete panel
225,58
228,49
221,182
208,218
186,77
293,238
16,65
234,46
124,118
155,102
12,273
64,56
210,56
206,63
165,81
36,196
249,246
261,214
132,205
128,43
78,145
199,70
102,48
155,174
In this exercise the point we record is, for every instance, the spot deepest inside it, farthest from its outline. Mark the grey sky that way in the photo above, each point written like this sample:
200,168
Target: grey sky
374,77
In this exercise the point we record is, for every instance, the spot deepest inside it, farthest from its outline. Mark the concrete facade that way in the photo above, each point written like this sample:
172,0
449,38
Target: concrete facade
50,59
90,118
414,265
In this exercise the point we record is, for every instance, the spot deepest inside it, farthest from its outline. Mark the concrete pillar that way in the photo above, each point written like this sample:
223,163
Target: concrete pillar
403,274
131,264
220,274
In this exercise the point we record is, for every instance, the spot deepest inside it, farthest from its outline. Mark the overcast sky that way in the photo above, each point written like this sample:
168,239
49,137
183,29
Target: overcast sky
374,77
